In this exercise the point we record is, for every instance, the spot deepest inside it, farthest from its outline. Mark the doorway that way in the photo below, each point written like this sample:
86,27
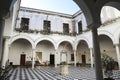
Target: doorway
22,59
52,59
83,59
39,56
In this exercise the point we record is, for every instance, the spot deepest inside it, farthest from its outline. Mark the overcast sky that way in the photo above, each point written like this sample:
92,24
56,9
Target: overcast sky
62,6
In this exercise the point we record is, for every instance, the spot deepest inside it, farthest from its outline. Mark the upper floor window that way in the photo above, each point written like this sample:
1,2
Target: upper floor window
80,27
65,28
47,25
24,24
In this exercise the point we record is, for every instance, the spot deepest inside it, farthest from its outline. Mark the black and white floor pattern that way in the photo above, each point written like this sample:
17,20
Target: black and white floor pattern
51,73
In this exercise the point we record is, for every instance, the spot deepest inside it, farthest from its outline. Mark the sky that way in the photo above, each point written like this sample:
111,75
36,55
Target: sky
62,6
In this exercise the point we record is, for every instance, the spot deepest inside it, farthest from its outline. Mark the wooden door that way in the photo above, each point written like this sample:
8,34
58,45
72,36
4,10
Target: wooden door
83,59
22,59
52,59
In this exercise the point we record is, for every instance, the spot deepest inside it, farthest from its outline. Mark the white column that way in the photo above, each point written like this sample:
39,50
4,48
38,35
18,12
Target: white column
91,55
5,53
33,59
118,54
55,58
75,58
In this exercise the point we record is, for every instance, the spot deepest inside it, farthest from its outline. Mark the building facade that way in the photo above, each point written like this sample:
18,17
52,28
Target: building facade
51,37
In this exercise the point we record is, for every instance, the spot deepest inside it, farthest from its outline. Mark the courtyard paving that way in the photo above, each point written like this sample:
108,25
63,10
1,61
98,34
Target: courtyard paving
51,73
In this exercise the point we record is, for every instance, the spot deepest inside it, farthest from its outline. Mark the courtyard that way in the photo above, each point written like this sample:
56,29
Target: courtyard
52,73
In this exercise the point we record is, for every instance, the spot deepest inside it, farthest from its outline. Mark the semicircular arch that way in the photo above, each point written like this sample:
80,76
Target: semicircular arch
117,35
84,39
67,40
113,3
45,38
110,35
14,38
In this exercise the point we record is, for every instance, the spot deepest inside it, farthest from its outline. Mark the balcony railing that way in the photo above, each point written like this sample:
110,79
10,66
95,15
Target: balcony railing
44,32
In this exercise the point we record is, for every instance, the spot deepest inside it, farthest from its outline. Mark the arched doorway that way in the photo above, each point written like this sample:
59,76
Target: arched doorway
107,47
83,54
20,52
66,53
45,52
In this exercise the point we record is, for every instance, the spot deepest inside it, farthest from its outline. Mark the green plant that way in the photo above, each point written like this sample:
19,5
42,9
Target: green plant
109,64
63,63
78,64
28,63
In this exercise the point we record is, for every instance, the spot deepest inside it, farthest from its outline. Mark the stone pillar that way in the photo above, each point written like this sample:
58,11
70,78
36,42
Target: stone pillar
97,55
118,54
33,59
75,58
2,23
91,55
56,54
5,53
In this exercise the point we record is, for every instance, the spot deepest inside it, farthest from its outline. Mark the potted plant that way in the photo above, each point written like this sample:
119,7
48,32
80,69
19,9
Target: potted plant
28,64
77,64
108,64
64,68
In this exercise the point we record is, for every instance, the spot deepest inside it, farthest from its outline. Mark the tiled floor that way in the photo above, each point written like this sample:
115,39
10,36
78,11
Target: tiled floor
51,73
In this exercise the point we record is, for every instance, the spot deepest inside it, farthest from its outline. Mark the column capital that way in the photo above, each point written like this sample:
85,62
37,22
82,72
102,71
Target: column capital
56,49
91,48
33,49
74,50
116,44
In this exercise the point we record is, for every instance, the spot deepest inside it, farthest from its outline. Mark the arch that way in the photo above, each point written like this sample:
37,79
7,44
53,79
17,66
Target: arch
45,38
91,12
14,38
113,3
67,40
117,36
110,35
84,39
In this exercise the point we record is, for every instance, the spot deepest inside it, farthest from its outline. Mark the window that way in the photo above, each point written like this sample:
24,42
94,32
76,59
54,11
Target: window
80,27
47,26
72,57
65,28
24,24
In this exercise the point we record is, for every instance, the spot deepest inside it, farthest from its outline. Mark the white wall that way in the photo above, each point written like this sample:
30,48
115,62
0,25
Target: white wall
80,17
36,21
